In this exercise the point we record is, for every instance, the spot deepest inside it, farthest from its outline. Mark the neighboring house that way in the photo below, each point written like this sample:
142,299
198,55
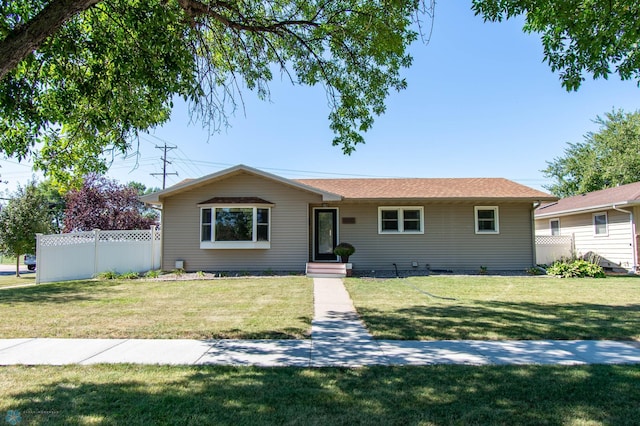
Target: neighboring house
601,223
244,219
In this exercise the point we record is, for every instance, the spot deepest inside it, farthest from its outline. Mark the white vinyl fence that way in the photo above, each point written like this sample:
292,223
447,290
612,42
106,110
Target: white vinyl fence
551,248
82,255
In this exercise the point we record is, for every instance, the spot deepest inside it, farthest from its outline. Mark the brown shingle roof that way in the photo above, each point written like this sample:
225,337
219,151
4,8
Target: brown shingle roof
430,188
620,195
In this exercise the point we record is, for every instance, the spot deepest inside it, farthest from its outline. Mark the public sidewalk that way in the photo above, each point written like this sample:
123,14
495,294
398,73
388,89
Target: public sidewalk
338,338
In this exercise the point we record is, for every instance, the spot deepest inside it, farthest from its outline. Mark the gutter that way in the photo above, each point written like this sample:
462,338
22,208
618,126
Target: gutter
634,245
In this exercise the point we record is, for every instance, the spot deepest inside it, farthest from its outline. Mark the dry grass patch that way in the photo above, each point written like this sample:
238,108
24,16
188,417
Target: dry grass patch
274,307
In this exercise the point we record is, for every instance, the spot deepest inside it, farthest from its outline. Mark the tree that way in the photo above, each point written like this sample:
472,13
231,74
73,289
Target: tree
605,159
24,216
81,78
104,204
578,36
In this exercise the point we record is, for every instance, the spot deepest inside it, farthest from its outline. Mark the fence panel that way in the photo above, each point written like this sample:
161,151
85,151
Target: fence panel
84,254
551,248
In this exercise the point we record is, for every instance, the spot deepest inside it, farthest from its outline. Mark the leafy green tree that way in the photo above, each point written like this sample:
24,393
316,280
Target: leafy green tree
81,78
23,217
56,203
578,36
606,158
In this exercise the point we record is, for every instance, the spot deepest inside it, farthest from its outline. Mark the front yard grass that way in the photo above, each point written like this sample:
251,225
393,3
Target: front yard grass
492,308
251,308
430,395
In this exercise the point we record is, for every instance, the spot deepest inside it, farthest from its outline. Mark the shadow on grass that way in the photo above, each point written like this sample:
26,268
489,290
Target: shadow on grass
54,293
501,320
379,395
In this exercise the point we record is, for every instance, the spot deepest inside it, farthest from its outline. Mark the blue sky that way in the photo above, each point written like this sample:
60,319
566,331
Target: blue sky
480,103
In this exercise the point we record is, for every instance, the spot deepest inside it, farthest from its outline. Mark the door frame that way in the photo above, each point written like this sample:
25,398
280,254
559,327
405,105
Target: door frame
336,230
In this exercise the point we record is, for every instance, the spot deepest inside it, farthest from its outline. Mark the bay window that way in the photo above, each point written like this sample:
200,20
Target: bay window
235,226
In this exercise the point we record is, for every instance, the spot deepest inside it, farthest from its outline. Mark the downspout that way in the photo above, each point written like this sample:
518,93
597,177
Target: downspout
533,232
634,246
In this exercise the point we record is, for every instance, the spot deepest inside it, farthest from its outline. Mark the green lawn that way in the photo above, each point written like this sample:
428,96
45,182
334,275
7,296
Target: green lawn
431,395
490,308
13,281
248,308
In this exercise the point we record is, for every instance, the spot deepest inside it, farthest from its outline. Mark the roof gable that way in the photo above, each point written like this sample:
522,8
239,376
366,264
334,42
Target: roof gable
597,200
187,184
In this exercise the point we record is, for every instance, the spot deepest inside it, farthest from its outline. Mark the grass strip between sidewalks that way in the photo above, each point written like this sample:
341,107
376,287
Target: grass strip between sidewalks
497,395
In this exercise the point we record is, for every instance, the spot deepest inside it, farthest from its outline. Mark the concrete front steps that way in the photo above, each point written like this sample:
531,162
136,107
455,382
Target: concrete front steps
326,270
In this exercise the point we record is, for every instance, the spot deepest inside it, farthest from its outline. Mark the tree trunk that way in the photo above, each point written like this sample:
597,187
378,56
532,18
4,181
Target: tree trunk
26,38
17,266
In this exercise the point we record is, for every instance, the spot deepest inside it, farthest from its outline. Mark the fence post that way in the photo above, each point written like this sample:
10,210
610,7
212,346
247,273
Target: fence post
153,247
38,260
96,238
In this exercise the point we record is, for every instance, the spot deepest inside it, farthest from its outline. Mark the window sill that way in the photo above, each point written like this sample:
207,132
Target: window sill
235,245
400,233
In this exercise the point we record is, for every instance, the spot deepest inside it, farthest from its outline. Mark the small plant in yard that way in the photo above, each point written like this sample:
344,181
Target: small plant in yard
152,274
344,250
200,274
129,276
576,268
269,272
107,275
483,270
178,272
536,270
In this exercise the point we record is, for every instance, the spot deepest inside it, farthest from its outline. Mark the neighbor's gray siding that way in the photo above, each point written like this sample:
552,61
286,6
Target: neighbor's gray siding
449,241
615,249
289,227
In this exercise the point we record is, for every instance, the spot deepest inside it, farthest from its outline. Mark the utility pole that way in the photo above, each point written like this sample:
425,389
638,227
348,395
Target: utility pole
164,173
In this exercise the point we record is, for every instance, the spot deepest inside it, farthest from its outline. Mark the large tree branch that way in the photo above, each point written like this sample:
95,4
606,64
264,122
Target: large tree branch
195,8
26,38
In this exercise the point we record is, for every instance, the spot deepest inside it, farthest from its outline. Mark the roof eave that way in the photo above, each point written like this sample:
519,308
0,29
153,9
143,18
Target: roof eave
590,209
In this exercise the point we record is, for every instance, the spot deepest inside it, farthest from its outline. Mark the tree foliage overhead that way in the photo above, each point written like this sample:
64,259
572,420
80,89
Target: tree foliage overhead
26,214
97,72
104,204
579,37
607,158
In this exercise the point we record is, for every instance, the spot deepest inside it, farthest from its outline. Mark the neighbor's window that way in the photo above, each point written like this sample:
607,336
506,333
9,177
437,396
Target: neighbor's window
554,225
235,227
486,218
406,220
600,224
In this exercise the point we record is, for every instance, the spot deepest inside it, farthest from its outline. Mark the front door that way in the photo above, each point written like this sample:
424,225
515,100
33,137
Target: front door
326,233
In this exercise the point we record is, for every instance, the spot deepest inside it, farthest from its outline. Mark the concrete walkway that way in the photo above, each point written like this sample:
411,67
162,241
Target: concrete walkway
338,338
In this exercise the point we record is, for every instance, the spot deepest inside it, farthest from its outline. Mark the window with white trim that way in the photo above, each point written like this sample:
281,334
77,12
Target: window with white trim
600,224
487,219
554,226
401,220
235,226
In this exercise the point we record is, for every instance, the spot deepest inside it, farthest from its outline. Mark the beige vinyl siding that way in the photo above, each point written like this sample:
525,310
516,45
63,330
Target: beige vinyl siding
615,249
449,240
289,227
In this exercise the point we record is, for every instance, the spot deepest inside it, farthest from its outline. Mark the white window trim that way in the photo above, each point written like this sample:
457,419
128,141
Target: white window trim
231,245
479,231
593,221
551,227
400,210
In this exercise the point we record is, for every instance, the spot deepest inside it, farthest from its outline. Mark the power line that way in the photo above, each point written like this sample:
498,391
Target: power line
164,173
